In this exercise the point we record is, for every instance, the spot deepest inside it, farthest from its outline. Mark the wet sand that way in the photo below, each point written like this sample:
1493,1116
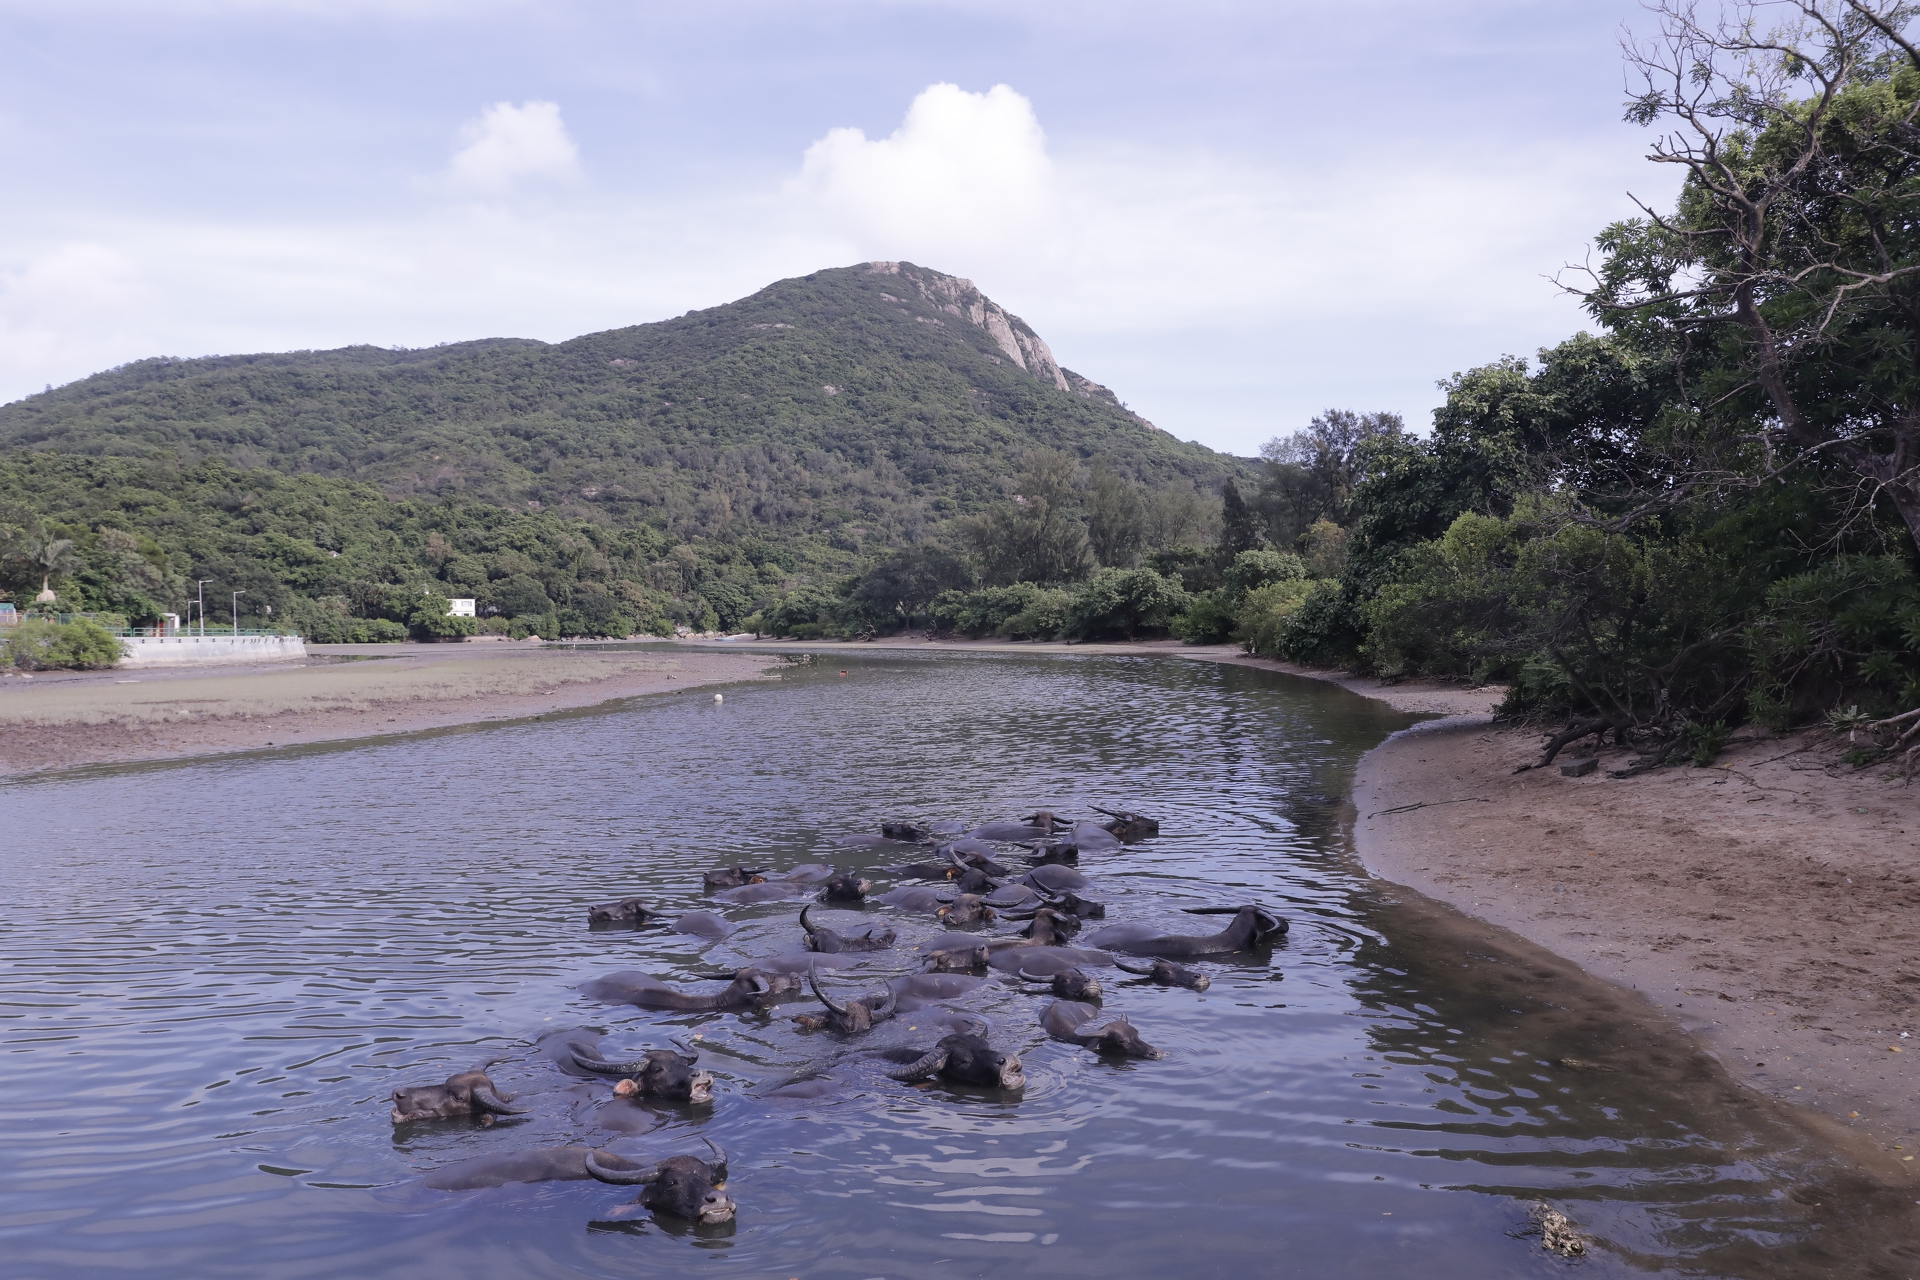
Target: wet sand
61,720
1768,906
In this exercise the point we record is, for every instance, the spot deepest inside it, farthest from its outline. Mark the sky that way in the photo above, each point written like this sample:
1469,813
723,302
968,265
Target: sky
1236,215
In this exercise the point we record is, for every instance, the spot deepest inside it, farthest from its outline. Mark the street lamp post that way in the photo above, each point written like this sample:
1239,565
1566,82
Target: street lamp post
201,585
236,612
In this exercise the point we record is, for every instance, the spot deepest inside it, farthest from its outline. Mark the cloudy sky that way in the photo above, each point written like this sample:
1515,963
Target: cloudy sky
1234,214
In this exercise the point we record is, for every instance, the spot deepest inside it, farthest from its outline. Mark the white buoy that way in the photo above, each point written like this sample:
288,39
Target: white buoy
718,698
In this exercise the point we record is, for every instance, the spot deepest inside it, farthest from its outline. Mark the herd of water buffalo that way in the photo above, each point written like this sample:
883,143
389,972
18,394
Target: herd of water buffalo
962,882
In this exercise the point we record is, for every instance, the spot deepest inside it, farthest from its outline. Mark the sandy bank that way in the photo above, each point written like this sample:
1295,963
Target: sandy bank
1769,905
59,720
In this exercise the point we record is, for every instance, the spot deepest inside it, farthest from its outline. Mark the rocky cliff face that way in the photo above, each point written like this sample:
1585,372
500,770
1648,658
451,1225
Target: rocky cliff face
958,297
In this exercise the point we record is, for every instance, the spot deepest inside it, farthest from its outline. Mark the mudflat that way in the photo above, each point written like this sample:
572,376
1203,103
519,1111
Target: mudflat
60,720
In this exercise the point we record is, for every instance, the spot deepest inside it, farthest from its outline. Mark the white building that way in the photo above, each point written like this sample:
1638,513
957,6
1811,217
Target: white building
460,608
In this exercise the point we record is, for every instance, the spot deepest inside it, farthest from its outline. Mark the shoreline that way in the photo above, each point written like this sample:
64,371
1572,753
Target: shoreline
53,721
1767,907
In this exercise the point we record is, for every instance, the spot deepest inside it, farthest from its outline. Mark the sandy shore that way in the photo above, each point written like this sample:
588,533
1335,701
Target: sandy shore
1769,906
60,720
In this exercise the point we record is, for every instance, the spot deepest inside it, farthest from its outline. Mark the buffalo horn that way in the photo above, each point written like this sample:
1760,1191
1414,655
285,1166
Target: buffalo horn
1213,911
803,918
1118,963
491,1101
1041,977
885,1008
599,1066
813,980
621,1177
719,1161
687,1051
935,1059
761,986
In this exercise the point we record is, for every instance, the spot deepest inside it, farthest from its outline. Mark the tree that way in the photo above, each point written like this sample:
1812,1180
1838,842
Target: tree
1116,516
1792,258
1035,536
907,582
1312,475
1239,526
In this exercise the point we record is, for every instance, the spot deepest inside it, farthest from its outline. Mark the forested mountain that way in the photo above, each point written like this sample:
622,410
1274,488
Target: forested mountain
856,405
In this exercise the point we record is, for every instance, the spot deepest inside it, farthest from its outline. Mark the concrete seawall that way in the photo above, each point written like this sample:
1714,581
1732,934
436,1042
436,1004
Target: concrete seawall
197,651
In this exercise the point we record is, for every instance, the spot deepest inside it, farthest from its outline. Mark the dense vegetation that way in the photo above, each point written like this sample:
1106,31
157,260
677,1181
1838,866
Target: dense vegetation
851,409
697,473
1707,514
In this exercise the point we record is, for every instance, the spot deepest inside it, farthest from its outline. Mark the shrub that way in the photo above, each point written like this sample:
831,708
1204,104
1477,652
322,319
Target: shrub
1043,618
377,631
1267,612
37,645
1257,568
429,620
1210,619
980,613
1124,602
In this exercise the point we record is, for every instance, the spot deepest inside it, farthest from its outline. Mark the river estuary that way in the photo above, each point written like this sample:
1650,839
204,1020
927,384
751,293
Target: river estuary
215,973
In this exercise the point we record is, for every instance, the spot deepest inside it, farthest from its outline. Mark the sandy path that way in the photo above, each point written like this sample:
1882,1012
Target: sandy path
57,721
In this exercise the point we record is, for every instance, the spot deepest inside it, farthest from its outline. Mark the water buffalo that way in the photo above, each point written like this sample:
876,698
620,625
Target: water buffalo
1128,825
1168,974
1047,927
733,878
1253,925
974,853
1071,903
844,886
627,911
974,880
1071,1021
548,1164
912,832
775,890
1055,879
703,924
851,1018
966,909
1052,851
941,868
800,962
916,990
821,938
957,957
961,1058
1068,984
630,986
1014,957
916,898
466,1094
1009,832
657,1073
1012,895
679,1186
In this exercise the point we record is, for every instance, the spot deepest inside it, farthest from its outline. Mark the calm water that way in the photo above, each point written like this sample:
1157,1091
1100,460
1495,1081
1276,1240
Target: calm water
215,974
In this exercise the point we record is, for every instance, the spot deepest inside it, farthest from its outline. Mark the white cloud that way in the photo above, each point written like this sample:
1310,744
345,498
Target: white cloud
72,309
509,144
963,171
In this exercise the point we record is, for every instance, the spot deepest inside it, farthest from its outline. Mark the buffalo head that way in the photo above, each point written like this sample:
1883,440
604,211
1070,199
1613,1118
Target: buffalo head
470,1093
660,1073
1069,984
844,886
679,1186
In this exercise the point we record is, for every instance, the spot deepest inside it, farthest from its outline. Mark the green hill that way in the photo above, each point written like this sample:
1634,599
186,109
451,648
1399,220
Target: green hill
855,406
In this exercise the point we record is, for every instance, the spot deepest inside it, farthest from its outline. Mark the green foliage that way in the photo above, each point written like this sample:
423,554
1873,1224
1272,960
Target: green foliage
1035,536
429,619
1122,603
1848,629
974,614
839,412
37,644
1043,617
1705,741
1209,619
1267,613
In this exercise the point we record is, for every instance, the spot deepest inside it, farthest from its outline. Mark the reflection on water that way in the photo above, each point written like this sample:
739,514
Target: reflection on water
215,975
